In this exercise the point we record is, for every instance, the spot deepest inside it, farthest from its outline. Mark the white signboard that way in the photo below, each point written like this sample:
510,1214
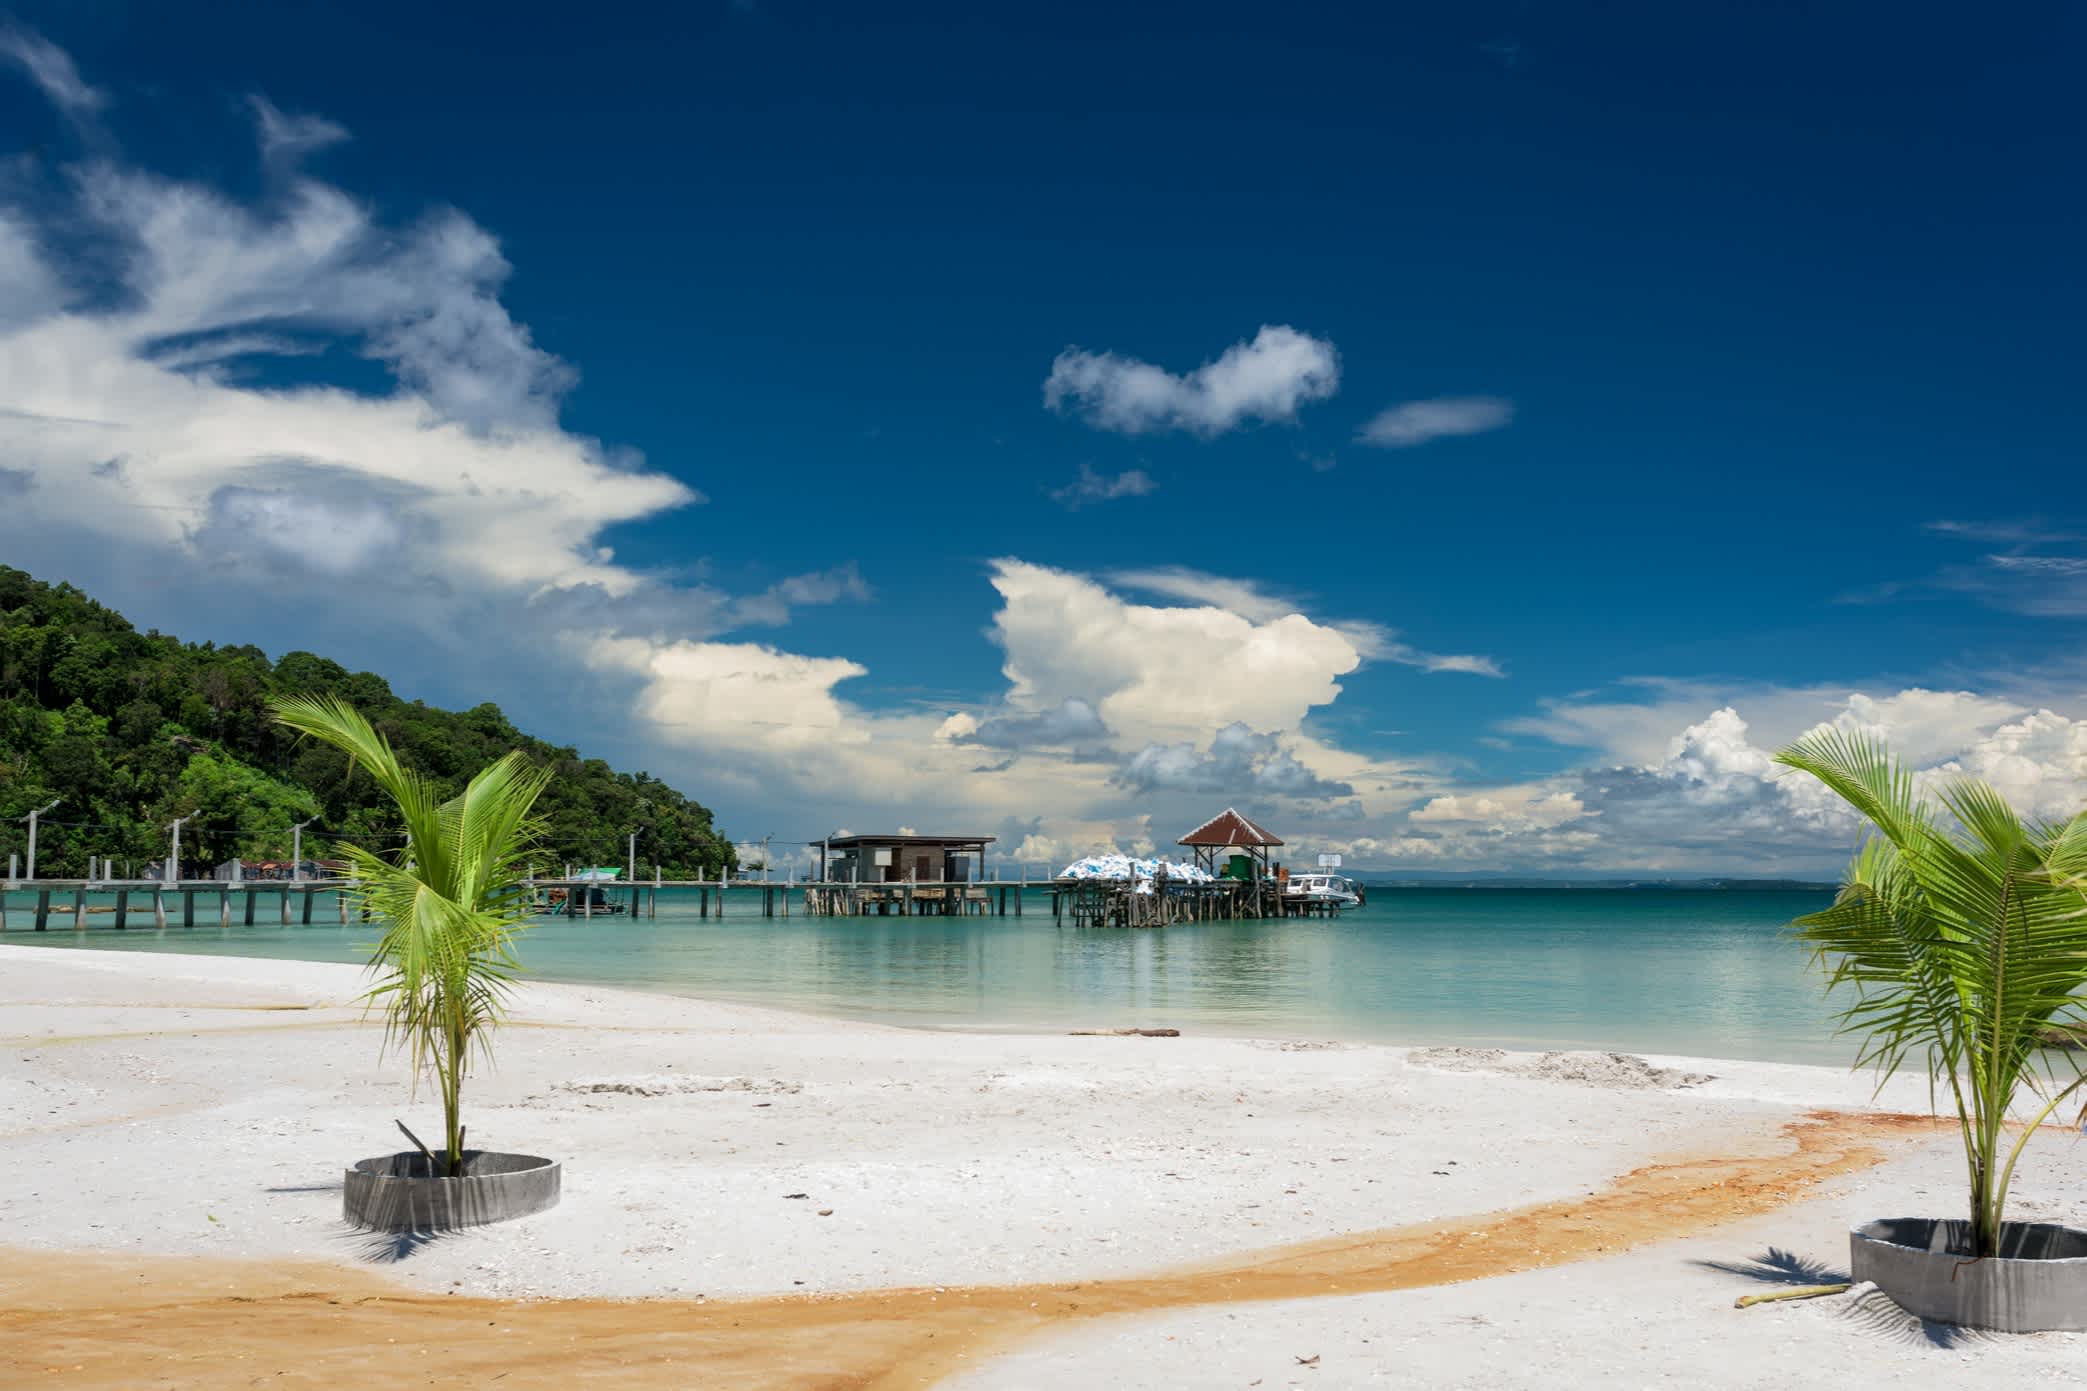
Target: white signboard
1329,862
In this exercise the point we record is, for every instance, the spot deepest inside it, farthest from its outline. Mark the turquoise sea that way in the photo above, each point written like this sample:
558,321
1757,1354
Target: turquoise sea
1701,972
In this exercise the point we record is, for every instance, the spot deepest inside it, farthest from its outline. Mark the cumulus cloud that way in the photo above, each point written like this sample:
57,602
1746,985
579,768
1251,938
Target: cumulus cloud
1265,379
1247,598
1092,487
1417,422
1521,806
138,415
1159,674
1711,799
1114,712
303,530
1238,763
1072,721
1256,603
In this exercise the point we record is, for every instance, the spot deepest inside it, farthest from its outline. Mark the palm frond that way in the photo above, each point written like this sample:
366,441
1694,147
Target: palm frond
1964,943
450,900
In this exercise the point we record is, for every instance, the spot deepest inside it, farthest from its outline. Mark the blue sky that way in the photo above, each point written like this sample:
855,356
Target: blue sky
809,403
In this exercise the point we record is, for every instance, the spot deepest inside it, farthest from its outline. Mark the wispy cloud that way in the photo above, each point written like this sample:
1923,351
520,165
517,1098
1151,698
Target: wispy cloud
1381,644
2040,568
51,68
287,138
1266,379
1092,487
2005,532
1413,423
1247,598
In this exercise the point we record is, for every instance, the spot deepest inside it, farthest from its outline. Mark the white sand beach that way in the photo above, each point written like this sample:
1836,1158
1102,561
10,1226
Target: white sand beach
203,1107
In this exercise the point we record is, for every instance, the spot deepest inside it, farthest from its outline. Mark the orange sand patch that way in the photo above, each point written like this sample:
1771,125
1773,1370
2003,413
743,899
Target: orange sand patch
106,1321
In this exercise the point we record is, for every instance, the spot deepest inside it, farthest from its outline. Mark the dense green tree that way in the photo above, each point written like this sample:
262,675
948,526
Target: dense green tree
129,730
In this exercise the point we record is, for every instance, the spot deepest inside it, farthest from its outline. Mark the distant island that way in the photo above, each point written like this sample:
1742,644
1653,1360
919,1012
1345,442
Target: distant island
128,730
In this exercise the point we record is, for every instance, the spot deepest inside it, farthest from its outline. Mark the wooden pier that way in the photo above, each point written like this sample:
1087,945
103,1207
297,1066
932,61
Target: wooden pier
141,903
66,900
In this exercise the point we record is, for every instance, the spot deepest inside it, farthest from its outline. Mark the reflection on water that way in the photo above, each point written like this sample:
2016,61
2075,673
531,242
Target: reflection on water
1704,973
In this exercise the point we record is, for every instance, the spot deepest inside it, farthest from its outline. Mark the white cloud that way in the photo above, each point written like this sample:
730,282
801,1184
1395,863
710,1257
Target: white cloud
1258,604
1711,799
286,138
331,538
51,69
28,290
1072,721
151,433
1237,763
1380,644
1100,487
1159,674
1525,806
1418,422
771,607
1247,598
457,486
1266,379
1114,713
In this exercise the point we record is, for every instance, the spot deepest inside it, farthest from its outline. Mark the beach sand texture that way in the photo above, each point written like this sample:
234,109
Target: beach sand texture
984,1210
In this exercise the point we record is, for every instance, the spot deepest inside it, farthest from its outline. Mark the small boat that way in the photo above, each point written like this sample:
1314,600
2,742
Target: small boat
1328,892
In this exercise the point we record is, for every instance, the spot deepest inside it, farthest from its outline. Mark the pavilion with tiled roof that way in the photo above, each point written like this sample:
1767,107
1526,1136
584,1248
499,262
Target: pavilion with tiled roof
1231,830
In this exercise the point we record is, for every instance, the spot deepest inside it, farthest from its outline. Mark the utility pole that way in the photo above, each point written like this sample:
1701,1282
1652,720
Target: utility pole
174,856
767,863
297,850
31,819
633,870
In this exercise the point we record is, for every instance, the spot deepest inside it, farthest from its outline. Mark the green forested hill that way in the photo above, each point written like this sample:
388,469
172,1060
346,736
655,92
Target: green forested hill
130,730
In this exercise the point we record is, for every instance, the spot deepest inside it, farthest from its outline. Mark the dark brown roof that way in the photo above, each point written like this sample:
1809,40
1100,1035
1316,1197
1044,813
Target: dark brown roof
844,842
1228,827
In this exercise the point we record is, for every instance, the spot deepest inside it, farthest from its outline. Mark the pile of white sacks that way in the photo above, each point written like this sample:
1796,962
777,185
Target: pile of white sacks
1139,874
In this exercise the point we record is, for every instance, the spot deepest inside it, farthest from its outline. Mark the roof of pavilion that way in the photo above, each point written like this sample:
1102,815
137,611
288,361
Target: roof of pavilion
1229,827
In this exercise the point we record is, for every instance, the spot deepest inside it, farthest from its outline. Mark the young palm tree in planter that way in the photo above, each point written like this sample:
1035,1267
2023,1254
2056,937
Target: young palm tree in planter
1964,938
448,905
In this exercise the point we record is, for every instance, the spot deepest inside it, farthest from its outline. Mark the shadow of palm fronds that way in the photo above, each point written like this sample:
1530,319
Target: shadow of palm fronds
1874,1312
1776,1266
389,1248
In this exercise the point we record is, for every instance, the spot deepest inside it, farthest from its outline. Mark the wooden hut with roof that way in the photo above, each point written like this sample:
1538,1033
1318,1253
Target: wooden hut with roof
1233,846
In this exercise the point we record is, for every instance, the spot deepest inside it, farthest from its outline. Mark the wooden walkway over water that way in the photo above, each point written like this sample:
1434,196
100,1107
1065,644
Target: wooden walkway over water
38,904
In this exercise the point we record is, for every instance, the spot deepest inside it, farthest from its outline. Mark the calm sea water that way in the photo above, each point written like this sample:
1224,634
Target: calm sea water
1706,973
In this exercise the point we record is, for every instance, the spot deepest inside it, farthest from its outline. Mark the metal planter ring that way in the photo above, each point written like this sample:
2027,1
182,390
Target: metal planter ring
399,1193
2037,1283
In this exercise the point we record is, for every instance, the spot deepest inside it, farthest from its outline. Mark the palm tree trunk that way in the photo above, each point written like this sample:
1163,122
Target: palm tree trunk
453,1099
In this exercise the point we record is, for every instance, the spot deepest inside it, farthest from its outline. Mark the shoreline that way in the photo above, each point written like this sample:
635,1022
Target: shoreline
201,1109
340,986
1025,1018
